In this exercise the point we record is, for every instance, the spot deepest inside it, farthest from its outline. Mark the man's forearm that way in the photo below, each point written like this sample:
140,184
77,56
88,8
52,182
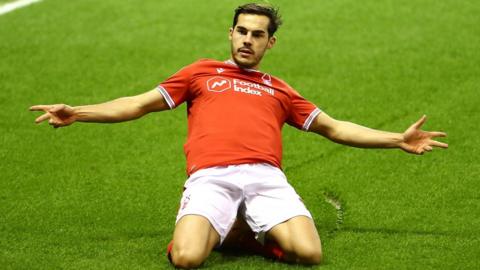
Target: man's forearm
118,110
359,136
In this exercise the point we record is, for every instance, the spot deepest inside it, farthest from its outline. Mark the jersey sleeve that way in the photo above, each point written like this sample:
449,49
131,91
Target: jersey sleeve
176,89
302,112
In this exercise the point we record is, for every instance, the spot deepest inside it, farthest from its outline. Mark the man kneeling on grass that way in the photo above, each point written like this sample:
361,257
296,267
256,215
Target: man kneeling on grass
236,194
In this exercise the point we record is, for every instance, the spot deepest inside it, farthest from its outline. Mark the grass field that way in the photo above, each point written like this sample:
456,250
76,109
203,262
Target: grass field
5,1
94,196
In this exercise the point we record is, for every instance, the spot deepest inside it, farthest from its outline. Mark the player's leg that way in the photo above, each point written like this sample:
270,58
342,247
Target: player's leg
276,213
295,240
299,240
193,240
238,231
207,211
242,238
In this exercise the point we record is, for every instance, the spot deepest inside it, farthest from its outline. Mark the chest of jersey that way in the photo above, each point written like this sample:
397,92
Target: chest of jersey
235,93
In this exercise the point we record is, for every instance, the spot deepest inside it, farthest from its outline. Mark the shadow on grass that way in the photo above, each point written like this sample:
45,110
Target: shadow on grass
250,260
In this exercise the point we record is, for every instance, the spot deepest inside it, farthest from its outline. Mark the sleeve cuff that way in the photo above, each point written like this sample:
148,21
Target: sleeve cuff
167,97
310,118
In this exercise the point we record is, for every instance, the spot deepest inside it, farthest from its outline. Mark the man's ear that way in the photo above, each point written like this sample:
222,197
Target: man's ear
271,42
230,33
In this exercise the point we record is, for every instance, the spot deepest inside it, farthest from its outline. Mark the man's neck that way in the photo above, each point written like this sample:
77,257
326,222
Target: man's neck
232,61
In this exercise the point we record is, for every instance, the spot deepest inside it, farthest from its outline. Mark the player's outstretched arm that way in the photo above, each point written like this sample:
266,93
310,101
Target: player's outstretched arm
118,110
413,140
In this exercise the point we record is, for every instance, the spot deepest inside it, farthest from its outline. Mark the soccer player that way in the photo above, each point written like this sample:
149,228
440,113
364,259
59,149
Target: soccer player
236,193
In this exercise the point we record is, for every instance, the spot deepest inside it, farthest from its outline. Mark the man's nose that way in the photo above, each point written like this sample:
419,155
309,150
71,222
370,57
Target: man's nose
248,40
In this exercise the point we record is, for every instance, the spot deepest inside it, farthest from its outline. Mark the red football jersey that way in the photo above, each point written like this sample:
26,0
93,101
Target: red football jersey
235,115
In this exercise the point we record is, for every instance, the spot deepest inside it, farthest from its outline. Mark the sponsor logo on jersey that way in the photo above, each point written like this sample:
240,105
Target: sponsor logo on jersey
218,84
220,70
251,88
221,84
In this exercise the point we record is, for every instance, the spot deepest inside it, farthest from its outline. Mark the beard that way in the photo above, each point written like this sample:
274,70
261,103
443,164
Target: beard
243,62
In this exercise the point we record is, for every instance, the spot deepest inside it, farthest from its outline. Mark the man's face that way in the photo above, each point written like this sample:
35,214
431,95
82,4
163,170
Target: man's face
249,40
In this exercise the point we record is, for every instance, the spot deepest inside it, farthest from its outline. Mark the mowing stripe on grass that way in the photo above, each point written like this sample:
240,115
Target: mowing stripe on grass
14,5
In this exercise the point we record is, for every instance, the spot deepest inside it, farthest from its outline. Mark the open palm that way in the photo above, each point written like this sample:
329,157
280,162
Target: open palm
417,141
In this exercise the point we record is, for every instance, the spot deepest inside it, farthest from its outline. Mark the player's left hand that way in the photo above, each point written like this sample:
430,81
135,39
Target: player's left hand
417,141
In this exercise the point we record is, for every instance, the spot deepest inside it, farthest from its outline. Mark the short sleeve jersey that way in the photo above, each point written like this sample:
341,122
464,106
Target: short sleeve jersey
235,115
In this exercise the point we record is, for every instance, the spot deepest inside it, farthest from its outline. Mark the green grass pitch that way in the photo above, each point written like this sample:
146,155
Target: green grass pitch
5,1
95,196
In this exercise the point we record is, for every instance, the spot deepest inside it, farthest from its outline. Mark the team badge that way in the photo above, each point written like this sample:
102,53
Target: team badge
267,79
185,202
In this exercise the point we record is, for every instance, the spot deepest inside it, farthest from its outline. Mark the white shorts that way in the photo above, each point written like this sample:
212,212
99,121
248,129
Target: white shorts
259,193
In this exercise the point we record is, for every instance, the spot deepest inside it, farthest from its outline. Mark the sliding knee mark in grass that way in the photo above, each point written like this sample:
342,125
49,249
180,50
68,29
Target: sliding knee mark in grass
335,201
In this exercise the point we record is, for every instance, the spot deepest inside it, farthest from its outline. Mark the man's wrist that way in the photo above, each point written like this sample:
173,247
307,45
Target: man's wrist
78,114
398,140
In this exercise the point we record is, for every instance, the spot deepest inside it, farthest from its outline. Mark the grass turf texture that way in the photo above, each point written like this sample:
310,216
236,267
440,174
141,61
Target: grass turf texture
105,196
2,2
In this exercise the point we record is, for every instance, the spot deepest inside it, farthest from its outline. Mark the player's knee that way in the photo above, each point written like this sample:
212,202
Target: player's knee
306,254
310,256
186,258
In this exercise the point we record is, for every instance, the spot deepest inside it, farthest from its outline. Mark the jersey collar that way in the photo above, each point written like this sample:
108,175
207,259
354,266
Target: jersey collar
267,79
231,62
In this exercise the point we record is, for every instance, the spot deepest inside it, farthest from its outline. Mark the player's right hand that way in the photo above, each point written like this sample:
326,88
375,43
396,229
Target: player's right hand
58,115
